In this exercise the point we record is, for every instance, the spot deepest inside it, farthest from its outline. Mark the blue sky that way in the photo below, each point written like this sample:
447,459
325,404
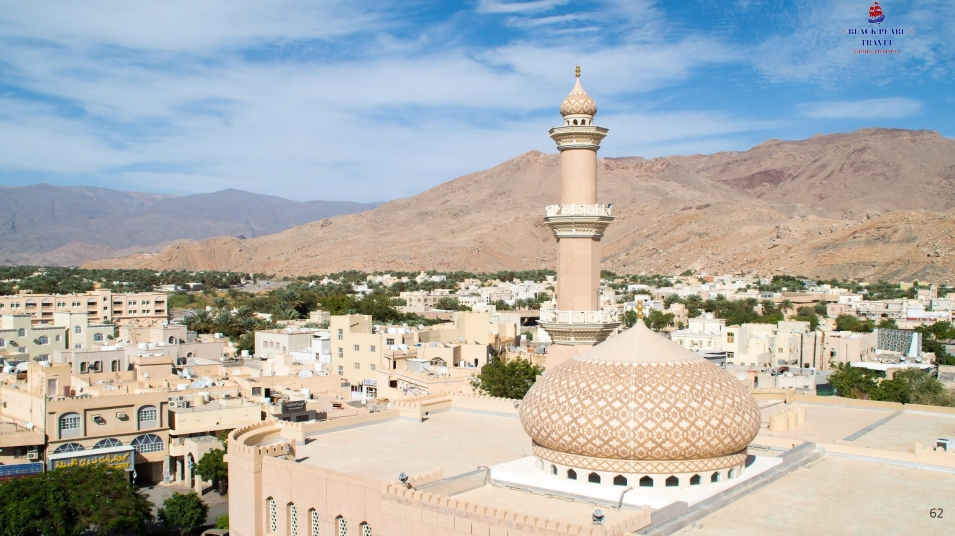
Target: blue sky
367,101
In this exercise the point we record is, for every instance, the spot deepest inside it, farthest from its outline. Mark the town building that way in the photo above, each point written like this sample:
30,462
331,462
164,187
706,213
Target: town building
102,305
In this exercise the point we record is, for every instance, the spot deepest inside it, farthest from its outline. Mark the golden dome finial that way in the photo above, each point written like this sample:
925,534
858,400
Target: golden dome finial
640,310
578,71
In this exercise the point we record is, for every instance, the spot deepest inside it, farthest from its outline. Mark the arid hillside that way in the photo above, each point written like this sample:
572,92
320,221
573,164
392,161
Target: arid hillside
871,204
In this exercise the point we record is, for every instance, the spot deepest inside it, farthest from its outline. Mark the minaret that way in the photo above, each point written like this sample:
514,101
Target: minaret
578,223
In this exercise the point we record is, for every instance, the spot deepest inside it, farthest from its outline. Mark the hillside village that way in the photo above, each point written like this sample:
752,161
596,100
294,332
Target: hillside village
131,373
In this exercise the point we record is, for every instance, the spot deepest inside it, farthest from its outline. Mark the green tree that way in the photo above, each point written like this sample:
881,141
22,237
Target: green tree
848,322
506,380
452,304
887,323
822,308
220,304
185,511
657,320
852,382
630,318
285,312
73,501
212,466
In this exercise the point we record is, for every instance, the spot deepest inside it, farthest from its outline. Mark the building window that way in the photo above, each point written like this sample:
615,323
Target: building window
672,481
593,478
147,443
357,366
21,332
58,338
340,334
107,443
43,340
371,348
730,355
365,529
714,478
341,370
371,367
313,522
2,343
292,520
695,480
114,366
77,329
69,425
83,368
571,474
646,482
390,342
97,337
730,337
356,347
342,526
619,480
69,447
43,357
341,352
273,516
148,417
256,391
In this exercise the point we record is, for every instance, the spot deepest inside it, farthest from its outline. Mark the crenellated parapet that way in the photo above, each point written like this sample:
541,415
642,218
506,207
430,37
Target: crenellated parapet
471,517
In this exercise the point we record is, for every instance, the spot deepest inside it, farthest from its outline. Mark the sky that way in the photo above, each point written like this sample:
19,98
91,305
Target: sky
376,100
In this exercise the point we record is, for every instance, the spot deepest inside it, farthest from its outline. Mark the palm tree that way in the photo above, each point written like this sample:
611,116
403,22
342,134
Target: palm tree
284,312
199,321
244,312
289,298
220,303
223,322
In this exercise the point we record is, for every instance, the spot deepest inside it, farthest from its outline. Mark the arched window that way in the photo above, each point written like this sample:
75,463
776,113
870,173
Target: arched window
292,520
114,366
438,362
273,515
732,473
695,480
571,474
70,425
672,481
715,477
171,339
575,121
98,337
593,478
188,354
77,329
43,340
342,526
646,482
619,480
313,522
365,529
553,469
148,417
107,443
21,332
147,443
2,343
83,368
69,447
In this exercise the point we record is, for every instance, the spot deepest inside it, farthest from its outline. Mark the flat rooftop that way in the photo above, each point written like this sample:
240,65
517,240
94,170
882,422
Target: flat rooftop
831,423
457,441
838,496
909,427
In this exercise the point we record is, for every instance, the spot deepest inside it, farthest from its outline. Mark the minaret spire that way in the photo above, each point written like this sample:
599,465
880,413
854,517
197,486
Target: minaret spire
578,223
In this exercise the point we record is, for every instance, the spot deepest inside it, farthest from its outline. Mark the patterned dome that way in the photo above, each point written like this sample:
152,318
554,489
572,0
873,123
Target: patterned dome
639,396
578,102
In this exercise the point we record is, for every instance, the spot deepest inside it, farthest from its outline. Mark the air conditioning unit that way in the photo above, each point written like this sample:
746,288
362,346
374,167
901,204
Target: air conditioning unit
34,455
173,403
184,404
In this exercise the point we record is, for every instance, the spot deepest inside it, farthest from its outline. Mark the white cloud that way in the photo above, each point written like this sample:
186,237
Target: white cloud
888,108
531,6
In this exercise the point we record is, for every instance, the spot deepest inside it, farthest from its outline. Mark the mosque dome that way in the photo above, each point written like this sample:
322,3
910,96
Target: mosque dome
578,102
639,403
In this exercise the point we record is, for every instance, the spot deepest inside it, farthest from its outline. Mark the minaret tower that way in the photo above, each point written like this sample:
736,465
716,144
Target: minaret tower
578,223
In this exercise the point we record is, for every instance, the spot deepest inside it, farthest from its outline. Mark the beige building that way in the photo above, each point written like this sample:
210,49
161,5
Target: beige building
101,305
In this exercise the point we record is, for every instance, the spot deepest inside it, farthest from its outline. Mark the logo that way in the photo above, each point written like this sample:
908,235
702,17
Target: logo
876,16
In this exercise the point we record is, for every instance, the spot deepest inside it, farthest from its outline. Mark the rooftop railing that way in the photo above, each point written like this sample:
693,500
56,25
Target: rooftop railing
578,210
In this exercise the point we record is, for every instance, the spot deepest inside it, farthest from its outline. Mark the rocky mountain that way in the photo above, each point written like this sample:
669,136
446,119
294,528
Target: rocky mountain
871,204
44,224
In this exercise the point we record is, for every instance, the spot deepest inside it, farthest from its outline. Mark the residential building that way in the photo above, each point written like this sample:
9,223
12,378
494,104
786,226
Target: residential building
101,305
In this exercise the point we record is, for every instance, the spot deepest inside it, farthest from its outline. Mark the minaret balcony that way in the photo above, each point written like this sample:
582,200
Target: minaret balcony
579,327
578,221
578,137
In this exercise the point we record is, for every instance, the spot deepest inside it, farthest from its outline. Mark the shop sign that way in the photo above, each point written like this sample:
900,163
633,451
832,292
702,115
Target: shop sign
12,472
290,406
123,459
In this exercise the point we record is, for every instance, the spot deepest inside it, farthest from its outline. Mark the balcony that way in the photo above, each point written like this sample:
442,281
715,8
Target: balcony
578,210
557,316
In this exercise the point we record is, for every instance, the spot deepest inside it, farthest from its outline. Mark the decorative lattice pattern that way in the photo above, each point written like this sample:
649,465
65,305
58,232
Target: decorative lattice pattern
68,447
107,443
293,520
148,443
578,102
639,466
342,526
313,519
273,516
365,529
684,409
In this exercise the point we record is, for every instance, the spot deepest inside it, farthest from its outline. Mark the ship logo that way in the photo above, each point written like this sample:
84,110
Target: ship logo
875,14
